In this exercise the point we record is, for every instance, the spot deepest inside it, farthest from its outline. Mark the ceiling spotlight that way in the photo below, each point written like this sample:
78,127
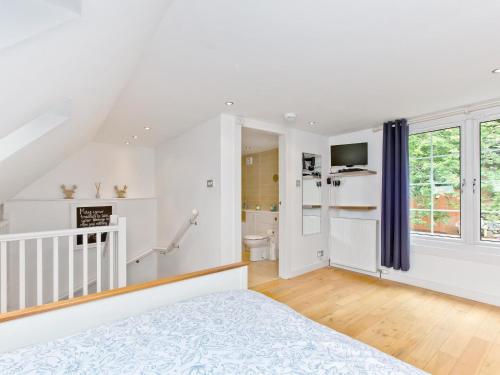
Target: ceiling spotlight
229,104
312,123
496,71
147,128
135,137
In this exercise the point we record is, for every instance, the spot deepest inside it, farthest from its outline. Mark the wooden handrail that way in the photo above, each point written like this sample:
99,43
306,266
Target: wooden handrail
114,292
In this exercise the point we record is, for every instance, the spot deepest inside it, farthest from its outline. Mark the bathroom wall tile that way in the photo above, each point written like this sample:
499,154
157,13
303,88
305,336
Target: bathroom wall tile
258,186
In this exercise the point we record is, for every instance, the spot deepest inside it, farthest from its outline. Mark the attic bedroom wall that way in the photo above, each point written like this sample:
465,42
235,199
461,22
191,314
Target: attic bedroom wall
184,165
465,273
41,206
87,61
108,164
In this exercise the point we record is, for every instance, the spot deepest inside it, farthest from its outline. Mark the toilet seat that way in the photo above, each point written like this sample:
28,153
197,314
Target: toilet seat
254,237
258,246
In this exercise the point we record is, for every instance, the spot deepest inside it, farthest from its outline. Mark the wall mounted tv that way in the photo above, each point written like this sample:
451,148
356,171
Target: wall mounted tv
349,155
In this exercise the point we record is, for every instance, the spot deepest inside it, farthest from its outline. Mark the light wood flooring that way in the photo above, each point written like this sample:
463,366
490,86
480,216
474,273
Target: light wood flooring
435,332
260,272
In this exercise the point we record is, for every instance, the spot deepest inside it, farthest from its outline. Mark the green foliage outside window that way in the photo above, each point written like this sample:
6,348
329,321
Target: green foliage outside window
435,181
435,177
490,180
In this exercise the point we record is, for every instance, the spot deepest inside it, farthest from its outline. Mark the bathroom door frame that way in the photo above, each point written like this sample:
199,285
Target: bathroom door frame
283,236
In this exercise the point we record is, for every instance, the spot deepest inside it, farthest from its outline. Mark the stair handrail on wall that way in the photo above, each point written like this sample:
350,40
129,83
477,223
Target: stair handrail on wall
174,244
115,238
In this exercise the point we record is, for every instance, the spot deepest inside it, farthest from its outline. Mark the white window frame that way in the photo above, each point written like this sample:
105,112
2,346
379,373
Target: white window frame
475,126
469,245
433,126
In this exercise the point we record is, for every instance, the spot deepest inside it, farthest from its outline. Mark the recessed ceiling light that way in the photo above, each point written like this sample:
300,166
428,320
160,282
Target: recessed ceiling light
127,142
312,123
135,137
147,128
229,104
496,70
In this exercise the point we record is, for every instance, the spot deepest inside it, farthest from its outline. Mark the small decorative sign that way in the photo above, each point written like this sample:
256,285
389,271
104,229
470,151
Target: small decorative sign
92,216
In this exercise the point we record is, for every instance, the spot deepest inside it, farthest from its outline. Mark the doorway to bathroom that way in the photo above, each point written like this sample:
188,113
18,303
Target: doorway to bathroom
260,204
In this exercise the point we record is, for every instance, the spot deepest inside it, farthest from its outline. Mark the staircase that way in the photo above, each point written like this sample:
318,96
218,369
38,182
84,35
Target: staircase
38,268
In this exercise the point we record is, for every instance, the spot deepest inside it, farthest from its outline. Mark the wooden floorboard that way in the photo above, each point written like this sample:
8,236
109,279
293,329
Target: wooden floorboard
438,333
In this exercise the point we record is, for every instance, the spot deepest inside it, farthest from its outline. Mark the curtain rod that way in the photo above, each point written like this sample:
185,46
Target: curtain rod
447,113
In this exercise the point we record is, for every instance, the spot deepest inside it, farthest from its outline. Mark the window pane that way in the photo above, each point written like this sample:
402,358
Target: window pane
420,221
490,180
420,170
420,145
420,197
435,174
446,222
447,170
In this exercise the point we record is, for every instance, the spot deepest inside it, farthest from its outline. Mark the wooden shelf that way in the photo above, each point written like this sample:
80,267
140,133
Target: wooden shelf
311,206
354,174
358,208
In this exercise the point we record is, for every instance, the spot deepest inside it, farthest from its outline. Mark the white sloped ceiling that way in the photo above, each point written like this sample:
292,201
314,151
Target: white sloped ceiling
85,62
344,64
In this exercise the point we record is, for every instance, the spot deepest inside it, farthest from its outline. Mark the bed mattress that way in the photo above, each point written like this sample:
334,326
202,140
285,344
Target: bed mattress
237,332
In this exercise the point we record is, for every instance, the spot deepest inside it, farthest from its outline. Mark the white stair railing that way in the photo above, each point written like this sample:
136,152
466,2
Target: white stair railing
117,247
193,220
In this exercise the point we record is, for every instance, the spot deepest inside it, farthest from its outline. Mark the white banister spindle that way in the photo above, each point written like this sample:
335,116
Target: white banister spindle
116,242
3,278
98,260
111,259
22,274
71,265
122,252
39,274
55,269
85,265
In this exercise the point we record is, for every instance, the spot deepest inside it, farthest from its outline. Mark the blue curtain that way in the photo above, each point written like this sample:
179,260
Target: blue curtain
395,197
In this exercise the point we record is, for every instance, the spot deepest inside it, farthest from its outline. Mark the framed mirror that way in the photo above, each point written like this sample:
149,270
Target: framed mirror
311,194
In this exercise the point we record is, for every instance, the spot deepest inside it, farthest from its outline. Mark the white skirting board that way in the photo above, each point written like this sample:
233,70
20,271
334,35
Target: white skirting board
443,288
374,274
353,243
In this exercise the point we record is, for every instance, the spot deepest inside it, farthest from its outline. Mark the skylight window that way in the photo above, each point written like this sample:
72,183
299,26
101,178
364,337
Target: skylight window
22,19
33,130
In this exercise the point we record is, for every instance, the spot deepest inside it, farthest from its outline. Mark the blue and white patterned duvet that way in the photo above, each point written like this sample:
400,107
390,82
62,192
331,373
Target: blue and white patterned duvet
238,332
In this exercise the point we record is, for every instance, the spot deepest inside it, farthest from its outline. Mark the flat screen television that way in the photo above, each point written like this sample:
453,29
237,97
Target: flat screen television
349,155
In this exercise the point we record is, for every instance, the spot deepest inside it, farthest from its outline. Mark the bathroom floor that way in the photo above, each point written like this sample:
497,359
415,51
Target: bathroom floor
262,271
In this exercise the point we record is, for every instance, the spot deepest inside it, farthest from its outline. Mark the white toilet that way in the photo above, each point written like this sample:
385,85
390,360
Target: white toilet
258,245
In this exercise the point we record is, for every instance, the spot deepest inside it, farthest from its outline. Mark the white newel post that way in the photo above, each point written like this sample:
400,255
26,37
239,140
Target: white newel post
122,252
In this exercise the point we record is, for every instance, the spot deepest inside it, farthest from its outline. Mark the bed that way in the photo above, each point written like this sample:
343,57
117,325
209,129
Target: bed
228,332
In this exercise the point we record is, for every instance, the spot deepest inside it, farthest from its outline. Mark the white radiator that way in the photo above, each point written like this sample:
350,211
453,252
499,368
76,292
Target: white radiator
354,244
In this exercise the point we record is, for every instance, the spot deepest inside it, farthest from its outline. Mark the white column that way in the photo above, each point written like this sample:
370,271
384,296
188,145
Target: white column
85,265
3,279
122,252
111,259
71,267
39,272
22,274
55,269
98,260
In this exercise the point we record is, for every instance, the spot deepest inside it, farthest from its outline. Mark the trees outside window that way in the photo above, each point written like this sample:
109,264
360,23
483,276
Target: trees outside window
490,180
435,175
455,181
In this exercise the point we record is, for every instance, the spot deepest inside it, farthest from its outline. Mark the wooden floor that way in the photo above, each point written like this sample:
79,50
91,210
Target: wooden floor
435,332
262,271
